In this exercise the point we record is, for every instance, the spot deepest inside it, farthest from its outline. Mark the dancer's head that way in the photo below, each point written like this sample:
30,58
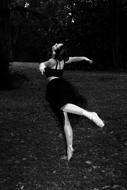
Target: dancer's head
58,51
57,46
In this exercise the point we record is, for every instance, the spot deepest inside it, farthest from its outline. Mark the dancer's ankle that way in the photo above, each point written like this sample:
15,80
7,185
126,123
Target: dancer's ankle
70,147
87,114
69,152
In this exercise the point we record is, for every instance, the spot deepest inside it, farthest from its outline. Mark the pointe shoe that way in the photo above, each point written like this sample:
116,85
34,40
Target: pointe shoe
97,120
70,151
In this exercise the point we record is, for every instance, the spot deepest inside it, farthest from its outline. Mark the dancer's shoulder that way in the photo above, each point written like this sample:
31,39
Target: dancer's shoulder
48,63
51,61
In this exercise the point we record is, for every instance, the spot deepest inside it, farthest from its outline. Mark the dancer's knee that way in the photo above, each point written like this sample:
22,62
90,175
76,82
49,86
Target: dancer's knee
72,108
63,108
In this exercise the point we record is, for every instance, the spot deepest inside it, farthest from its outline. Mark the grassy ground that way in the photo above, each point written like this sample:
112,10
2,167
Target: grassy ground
32,143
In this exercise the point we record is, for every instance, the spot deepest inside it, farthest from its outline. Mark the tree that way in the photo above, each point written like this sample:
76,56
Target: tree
40,22
88,26
115,6
4,39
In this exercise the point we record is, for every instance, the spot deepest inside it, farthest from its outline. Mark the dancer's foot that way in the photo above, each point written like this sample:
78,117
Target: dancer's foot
97,120
70,151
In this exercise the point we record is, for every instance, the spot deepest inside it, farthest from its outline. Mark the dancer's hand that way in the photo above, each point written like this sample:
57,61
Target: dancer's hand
42,68
90,61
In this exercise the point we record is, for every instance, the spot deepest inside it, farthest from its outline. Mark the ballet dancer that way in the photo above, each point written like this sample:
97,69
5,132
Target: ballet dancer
60,93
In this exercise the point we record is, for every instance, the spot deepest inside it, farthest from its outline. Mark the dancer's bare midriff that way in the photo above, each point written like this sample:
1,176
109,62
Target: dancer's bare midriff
51,78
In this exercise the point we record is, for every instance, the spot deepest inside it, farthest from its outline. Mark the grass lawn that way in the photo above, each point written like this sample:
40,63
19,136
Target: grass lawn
32,143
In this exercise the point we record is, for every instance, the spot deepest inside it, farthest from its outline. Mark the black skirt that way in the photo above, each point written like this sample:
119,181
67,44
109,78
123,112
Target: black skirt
60,92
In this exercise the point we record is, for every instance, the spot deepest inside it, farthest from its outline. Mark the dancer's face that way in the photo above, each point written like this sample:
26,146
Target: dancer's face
56,46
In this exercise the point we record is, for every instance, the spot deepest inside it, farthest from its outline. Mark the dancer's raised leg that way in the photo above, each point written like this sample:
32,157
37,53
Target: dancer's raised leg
74,109
69,136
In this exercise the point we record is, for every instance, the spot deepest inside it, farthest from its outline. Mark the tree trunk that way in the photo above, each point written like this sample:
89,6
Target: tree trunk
115,11
4,41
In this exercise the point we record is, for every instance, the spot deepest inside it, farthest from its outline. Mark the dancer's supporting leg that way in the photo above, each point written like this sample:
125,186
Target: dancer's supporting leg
69,136
71,108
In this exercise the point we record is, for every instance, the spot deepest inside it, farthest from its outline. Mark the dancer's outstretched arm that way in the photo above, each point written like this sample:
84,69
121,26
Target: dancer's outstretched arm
77,59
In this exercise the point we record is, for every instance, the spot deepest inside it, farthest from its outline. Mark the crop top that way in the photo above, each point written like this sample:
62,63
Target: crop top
53,72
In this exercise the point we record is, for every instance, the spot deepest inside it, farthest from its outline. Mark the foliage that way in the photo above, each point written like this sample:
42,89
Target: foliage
4,41
87,27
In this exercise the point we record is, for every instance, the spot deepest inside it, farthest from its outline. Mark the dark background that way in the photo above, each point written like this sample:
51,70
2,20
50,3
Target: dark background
32,146
94,28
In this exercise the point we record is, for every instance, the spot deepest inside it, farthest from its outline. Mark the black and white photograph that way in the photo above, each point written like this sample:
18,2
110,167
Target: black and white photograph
63,95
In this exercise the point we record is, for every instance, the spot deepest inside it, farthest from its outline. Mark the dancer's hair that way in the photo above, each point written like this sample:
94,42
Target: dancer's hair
61,54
